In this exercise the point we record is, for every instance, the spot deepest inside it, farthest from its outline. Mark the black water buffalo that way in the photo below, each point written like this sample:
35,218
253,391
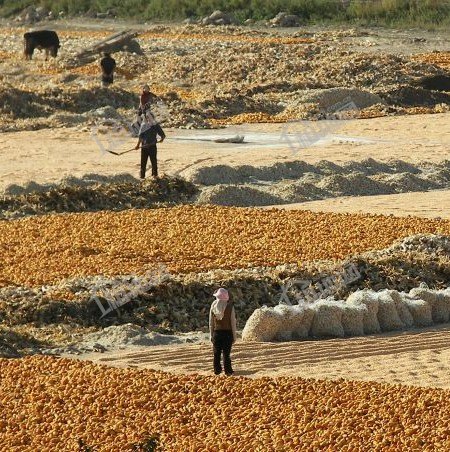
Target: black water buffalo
43,39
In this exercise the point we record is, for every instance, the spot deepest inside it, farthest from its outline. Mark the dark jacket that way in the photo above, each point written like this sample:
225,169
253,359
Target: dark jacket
149,137
227,323
108,65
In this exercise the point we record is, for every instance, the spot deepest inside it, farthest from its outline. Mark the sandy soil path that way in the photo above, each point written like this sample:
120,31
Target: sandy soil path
432,204
49,155
419,357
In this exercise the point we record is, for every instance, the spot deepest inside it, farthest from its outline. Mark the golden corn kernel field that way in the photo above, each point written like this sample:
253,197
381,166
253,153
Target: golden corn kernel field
45,249
112,409
441,59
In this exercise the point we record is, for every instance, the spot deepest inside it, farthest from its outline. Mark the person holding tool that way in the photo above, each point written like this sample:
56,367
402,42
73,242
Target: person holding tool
148,133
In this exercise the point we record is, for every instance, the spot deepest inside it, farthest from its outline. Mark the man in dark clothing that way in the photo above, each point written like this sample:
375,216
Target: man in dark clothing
108,64
150,129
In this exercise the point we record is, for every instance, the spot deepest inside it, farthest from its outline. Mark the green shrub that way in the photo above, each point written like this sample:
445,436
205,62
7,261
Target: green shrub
375,12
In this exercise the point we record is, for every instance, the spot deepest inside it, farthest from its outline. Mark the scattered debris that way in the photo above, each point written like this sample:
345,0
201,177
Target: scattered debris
219,18
285,20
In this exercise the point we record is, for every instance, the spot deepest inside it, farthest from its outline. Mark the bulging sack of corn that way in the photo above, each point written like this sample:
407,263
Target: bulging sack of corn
327,320
402,308
420,311
353,319
445,294
367,298
263,325
304,328
388,317
437,301
296,322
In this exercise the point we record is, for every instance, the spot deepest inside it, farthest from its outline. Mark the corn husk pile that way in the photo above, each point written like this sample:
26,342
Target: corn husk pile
201,90
441,59
73,405
242,185
93,193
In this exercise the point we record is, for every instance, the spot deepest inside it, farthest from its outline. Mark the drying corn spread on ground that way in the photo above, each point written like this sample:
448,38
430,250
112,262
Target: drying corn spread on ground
39,250
114,409
441,59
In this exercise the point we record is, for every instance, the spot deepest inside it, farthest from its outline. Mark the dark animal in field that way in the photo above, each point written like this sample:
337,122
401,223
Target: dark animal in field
43,39
435,82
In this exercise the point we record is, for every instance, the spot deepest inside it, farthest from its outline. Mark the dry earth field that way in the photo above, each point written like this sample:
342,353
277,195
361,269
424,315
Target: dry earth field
380,392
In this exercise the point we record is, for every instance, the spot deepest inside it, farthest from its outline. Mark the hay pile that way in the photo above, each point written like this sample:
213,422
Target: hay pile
297,181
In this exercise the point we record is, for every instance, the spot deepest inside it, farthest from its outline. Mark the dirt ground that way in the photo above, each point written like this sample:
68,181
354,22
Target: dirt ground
49,155
419,358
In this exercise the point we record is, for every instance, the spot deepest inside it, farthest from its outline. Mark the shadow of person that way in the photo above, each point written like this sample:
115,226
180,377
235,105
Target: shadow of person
243,373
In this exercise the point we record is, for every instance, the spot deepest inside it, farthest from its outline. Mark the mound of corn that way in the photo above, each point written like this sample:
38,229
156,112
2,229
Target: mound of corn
68,403
41,250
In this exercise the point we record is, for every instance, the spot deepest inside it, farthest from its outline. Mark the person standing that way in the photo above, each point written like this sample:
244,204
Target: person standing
145,100
222,328
148,134
108,65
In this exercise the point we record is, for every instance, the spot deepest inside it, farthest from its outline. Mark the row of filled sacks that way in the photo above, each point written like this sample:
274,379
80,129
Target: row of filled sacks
364,312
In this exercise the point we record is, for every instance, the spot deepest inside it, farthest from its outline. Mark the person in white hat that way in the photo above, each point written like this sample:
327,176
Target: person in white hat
222,328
